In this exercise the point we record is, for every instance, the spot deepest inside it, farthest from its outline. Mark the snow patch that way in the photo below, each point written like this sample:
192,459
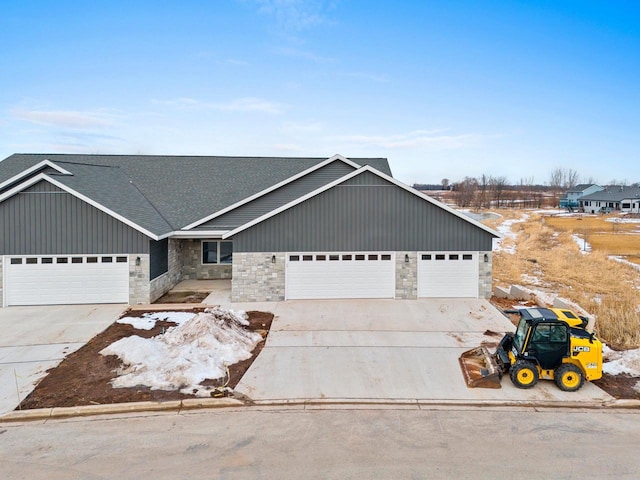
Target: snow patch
199,348
621,362
505,230
585,247
148,320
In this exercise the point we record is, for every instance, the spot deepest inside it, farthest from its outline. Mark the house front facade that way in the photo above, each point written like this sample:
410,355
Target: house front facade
571,198
126,229
614,198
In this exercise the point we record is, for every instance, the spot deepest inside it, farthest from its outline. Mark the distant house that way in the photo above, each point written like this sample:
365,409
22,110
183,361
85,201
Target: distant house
612,198
571,197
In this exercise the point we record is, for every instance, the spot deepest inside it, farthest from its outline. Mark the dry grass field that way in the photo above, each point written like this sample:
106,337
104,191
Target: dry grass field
544,255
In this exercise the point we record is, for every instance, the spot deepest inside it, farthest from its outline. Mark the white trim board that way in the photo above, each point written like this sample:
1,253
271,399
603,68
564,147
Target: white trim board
42,176
366,168
271,189
32,169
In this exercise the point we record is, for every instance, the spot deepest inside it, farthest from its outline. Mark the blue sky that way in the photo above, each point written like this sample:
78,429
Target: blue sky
443,89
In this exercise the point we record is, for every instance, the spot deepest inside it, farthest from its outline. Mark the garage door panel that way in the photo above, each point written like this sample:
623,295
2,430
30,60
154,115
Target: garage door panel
51,282
448,275
316,276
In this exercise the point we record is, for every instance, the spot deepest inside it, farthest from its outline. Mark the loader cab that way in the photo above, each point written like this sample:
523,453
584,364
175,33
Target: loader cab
542,336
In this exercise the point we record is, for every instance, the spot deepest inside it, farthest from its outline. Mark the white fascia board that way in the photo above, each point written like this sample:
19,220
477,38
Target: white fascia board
34,168
84,198
366,168
196,234
271,189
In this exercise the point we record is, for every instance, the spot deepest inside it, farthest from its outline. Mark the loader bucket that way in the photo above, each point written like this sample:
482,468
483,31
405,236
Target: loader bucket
480,369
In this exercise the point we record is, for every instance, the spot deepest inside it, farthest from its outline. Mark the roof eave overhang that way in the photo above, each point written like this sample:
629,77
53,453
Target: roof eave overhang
43,176
366,168
271,189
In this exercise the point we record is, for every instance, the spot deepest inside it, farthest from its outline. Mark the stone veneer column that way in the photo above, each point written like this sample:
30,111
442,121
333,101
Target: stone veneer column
485,275
139,285
257,278
407,276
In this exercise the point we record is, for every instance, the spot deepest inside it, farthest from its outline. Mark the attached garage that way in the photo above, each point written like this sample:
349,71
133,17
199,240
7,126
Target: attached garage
340,275
68,279
448,274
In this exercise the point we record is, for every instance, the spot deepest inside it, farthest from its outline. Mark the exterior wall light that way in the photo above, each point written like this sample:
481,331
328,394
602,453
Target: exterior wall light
486,258
273,259
137,261
406,258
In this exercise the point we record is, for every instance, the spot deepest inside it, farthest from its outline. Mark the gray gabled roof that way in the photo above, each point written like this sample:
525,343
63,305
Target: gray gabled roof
166,193
613,193
581,188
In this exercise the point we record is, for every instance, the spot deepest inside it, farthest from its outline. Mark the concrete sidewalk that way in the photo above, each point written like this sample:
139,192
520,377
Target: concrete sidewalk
395,350
36,339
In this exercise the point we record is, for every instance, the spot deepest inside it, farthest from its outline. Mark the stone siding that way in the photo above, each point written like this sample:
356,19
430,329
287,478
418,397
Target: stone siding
194,269
485,275
257,278
406,276
139,285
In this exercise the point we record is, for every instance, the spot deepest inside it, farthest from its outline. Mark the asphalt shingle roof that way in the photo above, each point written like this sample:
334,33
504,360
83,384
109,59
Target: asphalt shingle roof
165,193
614,193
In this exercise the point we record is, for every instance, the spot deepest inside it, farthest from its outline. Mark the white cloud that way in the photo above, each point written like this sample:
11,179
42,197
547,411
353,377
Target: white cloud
416,138
247,104
63,118
303,54
297,14
368,76
302,127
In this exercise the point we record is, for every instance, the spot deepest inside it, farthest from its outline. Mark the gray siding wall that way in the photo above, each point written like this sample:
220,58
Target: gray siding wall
361,217
44,219
279,197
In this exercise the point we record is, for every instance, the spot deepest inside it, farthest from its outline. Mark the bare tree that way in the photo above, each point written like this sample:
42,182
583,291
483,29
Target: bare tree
571,178
445,183
556,178
498,185
464,191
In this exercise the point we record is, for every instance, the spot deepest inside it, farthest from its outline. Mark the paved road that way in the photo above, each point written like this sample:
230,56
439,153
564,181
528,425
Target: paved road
253,443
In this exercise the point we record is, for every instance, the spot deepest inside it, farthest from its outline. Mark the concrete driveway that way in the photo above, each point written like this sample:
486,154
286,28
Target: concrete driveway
376,350
35,339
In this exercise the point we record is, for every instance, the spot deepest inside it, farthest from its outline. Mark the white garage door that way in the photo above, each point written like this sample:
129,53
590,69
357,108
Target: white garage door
60,280
340,275
448,274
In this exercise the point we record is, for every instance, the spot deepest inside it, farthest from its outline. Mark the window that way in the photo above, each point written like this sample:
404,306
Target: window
373,257
359,257
62,260
217,252
321,258
440,256
16,261
454,256
467,256
426,257
107,259
32,261
47,260
76,260
385,257
294,258
307,258
121,259
333,258
346,257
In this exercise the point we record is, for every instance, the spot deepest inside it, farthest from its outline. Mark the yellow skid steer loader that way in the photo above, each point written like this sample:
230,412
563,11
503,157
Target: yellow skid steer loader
549,343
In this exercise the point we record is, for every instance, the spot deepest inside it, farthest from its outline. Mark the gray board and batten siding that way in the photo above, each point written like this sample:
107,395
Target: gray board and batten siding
45,220
275,199
364,213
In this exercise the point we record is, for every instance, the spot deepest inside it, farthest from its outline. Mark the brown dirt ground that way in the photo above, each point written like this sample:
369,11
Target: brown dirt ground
83,378
183,297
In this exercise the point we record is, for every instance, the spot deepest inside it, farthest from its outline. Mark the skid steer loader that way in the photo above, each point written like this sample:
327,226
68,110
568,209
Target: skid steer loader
549,343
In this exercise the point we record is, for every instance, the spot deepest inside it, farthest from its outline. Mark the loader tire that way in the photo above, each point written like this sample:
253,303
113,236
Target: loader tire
524,374
568,377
